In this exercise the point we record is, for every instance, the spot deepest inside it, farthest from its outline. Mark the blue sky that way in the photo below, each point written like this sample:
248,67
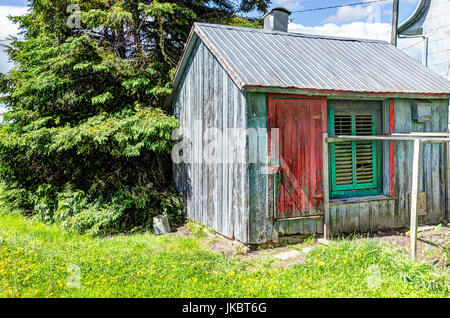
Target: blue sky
353,13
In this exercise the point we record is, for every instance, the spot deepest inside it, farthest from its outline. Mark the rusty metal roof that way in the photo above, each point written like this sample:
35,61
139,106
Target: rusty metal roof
259,58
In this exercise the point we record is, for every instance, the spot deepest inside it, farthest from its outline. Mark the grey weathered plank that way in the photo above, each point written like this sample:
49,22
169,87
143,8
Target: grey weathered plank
364,217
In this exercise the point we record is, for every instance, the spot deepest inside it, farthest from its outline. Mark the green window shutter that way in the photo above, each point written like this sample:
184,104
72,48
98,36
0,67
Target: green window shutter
353,163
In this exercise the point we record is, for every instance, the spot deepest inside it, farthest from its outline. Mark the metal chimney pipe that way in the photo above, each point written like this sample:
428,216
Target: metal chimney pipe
277,19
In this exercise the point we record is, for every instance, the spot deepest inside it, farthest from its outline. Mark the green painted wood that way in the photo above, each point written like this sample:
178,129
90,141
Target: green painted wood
260,225
357,189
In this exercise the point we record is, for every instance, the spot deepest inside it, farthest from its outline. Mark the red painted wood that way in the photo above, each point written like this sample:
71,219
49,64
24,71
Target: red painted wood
391,145
301,121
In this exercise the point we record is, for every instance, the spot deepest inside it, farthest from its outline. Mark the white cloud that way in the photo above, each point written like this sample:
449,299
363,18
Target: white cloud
288,4
363,30
353,13
371,12
8,28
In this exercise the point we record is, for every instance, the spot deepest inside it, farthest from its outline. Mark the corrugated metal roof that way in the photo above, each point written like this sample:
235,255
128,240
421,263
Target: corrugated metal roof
260,58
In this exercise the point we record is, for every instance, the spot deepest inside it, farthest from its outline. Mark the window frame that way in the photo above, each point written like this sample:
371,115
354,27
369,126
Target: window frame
354,189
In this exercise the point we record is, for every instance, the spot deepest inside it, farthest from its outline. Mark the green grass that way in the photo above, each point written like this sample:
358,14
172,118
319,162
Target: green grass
39,260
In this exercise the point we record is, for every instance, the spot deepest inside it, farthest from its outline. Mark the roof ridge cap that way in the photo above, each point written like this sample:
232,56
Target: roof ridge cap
305,35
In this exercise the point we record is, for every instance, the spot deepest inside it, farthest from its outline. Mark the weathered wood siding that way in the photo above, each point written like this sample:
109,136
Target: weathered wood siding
216,194
301,226
260,226
433,162
362,215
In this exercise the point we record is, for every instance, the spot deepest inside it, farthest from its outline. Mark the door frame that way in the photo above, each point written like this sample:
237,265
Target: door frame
273,179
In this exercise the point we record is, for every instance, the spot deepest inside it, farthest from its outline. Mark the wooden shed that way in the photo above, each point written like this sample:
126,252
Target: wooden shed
254,107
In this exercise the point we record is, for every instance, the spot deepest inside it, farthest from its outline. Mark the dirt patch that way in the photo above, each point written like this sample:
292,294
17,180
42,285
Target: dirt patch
300,258
183,231
232,248
226,246
433,245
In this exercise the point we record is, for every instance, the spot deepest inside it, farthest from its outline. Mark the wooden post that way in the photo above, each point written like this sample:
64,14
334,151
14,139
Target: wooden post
394,23
447,166
414,192
325,184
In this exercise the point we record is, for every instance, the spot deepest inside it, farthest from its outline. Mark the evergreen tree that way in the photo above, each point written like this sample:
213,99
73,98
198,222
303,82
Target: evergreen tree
86,140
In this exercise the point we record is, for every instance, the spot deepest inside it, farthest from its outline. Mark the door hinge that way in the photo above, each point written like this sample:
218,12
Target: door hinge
319,117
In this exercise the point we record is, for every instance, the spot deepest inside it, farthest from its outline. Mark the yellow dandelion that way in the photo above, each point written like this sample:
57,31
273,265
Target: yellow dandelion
252,289
173,266
230,292
195,279
26,278
231,273
239,276
315,261
345,261
299,287
321,263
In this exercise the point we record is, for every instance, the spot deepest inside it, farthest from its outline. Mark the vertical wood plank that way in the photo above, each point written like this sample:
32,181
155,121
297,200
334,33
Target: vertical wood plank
325,182
414,193
364,216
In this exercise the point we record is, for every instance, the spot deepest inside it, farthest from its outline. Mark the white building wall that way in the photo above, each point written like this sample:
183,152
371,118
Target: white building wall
437,28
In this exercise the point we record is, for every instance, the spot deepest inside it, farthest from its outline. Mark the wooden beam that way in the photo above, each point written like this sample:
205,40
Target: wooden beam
414,193
310,217
423,139
394,23
325,185
423,134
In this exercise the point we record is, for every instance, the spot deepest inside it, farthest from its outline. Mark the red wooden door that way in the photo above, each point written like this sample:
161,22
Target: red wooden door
300,122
